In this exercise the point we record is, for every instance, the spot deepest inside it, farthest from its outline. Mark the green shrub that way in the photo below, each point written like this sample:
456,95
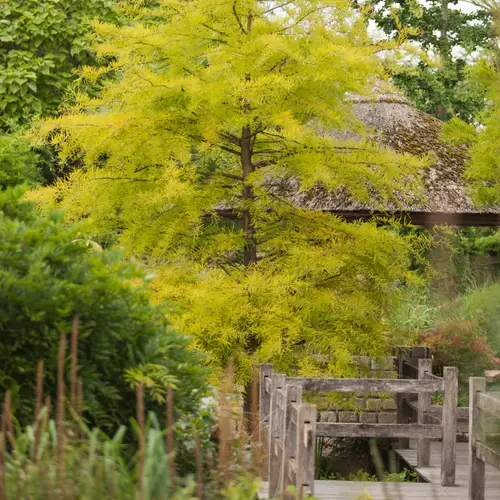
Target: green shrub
18,162
482,306
48,274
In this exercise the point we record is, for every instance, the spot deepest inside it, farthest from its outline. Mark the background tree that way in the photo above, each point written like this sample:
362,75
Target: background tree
483,169
41,43
445,32
223,114
18,162
48,274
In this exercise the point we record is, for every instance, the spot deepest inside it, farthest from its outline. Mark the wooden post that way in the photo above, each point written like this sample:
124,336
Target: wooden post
293,396
403,443
449,446
306,450
264,411
424,406
476,465
275,435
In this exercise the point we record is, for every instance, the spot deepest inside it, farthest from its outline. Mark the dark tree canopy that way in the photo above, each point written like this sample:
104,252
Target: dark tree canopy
445,31
41,43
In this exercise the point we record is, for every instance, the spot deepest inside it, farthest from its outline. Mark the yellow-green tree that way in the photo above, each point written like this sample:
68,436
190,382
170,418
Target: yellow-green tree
222,108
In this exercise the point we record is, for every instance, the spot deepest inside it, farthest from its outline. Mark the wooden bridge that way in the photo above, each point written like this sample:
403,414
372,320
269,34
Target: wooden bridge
427,439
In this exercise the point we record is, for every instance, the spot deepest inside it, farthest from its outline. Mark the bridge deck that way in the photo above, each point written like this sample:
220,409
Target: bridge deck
432,490
358,490
432,474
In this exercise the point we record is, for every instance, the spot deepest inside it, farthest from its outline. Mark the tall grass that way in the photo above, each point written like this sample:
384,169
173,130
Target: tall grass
62,458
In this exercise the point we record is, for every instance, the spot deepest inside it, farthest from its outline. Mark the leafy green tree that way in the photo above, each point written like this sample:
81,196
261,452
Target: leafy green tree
225,116
41,43
48,274
18,162
483,168
444,32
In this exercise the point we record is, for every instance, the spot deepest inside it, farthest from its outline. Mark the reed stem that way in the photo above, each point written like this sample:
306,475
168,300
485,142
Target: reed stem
38,408
60,411
142,444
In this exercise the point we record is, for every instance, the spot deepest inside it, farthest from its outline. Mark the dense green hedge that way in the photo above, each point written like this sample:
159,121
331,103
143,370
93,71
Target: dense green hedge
49,274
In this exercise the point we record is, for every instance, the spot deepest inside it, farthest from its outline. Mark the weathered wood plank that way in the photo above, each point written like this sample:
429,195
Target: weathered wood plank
367,385
293,397
409,370
488,455
423,407
280,397
276,429
431,376
477,386
264,410
433,473
356,490
436,411
268,384
448,457
412,431
489,402
424,404
402,414
306,443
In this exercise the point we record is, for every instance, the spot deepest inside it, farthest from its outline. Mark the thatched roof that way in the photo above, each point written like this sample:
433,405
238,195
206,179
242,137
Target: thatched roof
399,125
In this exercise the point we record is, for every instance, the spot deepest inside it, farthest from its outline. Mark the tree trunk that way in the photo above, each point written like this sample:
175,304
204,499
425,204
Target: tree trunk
250,254
444,29
444,51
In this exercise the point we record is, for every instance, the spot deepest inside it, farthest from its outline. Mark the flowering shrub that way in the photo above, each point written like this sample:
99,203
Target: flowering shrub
458,343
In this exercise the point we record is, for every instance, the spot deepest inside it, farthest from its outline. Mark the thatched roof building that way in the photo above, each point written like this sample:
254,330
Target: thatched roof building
402,127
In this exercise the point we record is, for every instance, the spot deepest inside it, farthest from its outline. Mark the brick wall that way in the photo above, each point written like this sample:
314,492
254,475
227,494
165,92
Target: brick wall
362,408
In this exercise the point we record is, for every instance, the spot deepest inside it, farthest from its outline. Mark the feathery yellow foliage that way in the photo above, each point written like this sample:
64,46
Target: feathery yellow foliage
214,98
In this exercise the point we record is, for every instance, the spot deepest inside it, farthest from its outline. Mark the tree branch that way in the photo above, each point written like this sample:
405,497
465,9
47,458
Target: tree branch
238,20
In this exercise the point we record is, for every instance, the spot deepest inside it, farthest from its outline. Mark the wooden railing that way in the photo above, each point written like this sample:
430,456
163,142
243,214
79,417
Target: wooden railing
482,405
289,427
408,360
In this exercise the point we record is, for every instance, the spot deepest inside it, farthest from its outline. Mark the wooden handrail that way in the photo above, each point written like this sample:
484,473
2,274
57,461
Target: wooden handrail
291,429
488,455
367,385
481,404
488,403
413,431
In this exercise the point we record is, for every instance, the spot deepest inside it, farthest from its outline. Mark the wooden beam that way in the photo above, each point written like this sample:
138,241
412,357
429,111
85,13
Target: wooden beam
449,448
266,371
412,431
293,398
275,435
489,402
488,455
306,450
436,411
367,385
416,218
267,384
424,405
477,386
427,219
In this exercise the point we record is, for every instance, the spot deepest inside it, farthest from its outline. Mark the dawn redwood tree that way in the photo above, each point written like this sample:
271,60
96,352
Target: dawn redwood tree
226,114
